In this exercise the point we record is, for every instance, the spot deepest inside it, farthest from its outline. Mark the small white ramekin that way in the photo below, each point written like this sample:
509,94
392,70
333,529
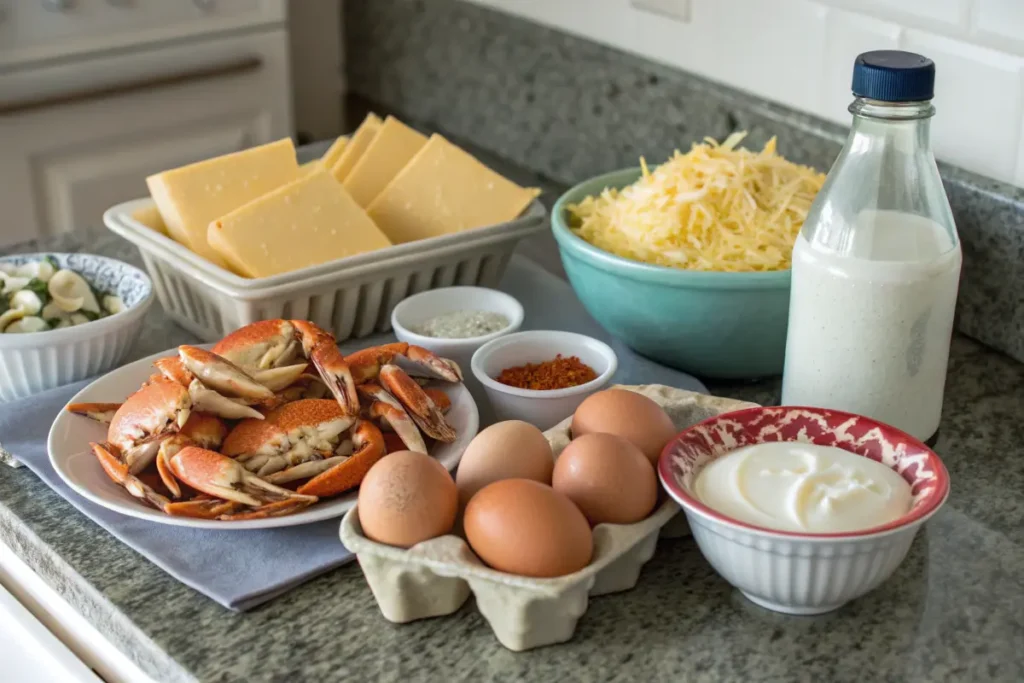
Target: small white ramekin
421,307
544,409
32,363
798,573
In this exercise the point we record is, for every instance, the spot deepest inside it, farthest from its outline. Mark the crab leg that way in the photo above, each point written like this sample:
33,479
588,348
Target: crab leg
420,406
101,412
368,443
117,469
222,477
387,409
222,375
440,399
209,401
204,431
203,507
367,364
320,348
279,379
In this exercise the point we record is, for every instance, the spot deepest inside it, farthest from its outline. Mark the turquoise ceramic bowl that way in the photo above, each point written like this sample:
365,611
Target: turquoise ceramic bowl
716,325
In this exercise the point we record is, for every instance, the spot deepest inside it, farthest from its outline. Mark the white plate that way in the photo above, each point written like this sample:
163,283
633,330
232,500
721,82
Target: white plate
70,456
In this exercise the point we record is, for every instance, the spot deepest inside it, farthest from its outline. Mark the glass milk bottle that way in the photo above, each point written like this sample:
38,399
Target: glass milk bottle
877,263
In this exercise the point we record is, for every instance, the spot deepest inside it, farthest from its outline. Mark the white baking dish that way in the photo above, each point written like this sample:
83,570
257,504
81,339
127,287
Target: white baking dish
351,297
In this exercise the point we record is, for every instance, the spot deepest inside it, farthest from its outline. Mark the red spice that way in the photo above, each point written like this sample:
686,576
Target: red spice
559,373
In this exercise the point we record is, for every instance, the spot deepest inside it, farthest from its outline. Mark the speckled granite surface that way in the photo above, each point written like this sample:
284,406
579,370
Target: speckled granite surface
953,612
570,109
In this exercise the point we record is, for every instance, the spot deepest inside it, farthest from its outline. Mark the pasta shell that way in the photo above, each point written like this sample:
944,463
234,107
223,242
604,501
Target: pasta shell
72,293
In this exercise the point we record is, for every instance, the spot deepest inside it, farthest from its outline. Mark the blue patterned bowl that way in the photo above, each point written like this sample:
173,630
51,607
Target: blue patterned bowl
719,325
31,363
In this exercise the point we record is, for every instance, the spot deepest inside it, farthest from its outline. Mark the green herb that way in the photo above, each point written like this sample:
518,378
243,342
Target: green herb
53,322
91,315
4,305
40,289
53,262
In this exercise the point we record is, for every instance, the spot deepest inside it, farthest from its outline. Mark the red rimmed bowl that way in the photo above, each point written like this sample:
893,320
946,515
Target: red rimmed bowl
792,572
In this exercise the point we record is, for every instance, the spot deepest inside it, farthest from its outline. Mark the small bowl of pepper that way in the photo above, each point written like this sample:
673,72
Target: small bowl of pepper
542,376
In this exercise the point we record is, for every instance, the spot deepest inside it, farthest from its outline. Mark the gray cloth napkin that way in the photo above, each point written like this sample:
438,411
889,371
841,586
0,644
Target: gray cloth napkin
238,569
242,569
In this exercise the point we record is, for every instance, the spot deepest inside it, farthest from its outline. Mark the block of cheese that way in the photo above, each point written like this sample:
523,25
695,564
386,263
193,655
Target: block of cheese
191,196
150,217
355,147
333,153
391,149
304,223
443,190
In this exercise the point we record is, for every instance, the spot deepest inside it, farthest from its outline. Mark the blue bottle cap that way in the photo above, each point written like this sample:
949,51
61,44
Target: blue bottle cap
893,76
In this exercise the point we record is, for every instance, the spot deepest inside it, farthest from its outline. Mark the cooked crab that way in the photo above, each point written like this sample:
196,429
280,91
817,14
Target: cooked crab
308,439
275,378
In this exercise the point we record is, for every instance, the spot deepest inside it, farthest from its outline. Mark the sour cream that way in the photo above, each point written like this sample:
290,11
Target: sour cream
787,486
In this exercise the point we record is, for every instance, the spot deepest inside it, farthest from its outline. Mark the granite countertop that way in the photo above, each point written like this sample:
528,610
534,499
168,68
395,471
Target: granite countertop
953,611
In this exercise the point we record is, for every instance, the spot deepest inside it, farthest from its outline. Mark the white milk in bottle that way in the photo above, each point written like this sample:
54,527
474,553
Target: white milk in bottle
877,264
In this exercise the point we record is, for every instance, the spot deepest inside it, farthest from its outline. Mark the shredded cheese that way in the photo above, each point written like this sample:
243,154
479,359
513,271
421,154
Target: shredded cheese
713,208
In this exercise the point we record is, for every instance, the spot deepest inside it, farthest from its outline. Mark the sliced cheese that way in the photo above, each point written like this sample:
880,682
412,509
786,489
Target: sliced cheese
445,190
191,196
391,149
355,147
304,223
310,167
333,153
150,217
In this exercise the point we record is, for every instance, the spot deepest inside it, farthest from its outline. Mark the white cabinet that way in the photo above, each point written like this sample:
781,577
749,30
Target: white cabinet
80,136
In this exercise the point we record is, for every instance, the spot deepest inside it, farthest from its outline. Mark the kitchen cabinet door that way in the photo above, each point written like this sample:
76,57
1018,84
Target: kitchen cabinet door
65,162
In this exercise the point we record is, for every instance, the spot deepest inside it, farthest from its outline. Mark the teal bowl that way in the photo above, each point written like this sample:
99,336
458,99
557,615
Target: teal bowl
714,325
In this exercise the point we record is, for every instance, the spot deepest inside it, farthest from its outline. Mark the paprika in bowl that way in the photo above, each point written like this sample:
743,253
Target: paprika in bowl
560,368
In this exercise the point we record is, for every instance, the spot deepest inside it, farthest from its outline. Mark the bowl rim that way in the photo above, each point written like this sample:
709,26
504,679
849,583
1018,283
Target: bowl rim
423,340
646,272
488,382
93,328
909,520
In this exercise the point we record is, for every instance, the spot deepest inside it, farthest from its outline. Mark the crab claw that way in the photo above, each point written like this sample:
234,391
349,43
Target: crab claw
390,412
321,349
209,401
203,507
222,375
421,407
368,448
204,431
173,369
101,412
367,363
279,379
440,399
222,477
442,368
115,467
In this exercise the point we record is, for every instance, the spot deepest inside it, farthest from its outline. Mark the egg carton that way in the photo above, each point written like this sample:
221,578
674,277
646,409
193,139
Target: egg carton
436,577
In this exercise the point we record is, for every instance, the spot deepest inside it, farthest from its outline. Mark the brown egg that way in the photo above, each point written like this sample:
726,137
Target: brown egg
608,479
527,528
628,414
505,450
406,498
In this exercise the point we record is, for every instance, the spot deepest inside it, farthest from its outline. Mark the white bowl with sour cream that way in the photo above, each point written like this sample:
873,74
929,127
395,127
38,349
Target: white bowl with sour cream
795,526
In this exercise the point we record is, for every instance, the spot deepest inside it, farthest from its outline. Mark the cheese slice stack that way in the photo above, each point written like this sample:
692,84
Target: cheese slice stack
191,196
355,146
392,147
307,222
444,190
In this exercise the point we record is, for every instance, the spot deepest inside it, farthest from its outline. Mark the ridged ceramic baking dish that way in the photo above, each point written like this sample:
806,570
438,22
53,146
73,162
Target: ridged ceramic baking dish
351,297
436,577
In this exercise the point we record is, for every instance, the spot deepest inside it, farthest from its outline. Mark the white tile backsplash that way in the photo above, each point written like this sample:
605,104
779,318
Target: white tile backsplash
977,102
1000,22
847,35
800,53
